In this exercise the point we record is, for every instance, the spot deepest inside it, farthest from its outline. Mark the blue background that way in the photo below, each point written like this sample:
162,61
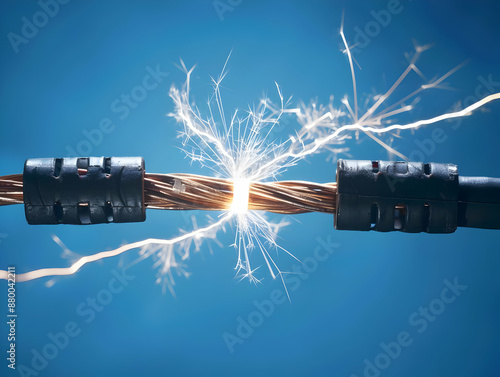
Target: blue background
64,80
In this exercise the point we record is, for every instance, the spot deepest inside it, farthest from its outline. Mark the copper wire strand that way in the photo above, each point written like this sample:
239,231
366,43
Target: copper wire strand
11,189
188,191
196,192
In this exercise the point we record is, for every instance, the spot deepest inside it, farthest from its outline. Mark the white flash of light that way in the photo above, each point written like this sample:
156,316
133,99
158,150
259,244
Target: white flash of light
241,190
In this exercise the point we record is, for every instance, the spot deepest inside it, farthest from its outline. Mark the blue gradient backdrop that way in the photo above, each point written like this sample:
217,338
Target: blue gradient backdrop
63,81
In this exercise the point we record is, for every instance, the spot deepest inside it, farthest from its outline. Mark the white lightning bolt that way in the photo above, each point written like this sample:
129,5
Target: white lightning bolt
242,149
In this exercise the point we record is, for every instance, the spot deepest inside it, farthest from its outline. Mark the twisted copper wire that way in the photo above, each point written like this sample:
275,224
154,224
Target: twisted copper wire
189,192
11,189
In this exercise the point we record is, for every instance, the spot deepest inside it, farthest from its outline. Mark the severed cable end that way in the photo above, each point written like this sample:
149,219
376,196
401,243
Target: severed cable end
90,190
401,196
413,197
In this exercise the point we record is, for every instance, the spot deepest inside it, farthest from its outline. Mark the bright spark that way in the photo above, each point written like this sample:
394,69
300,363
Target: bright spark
241,189
242,148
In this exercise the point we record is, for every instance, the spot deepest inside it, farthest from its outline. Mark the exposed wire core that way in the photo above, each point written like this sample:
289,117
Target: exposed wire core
188,191
196,192
11,189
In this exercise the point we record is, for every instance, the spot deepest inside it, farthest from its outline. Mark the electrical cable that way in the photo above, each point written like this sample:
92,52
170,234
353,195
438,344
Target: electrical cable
383,196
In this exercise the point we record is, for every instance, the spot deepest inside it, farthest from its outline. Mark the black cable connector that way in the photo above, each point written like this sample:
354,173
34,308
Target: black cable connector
413,197
82,191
